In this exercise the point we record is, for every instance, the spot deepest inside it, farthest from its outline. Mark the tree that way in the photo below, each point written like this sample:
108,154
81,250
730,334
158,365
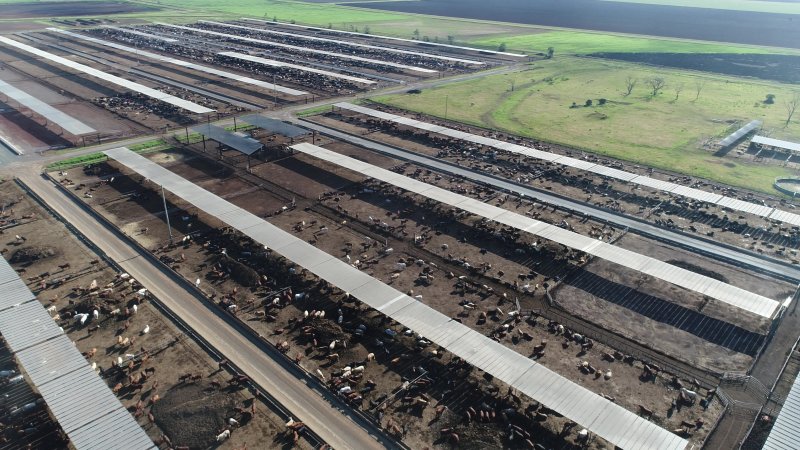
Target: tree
698,87
630,83
416,34
656,85
588,103
791,107
501,47
330,25
770,99
451,39
602,102
366,29
550,51
678,90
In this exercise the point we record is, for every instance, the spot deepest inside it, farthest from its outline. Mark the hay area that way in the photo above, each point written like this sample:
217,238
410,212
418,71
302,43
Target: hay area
193,414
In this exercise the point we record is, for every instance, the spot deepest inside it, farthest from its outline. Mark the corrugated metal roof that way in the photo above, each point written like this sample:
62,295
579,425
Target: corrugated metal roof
246,145
142,33
15,292
276,63
301,49
113,431
51,359
182,63
738,134
702,284
672,188
785,433
127,84
611,422
73,410
275,125
348,43
80,401
68,123
786,145
26,325
7,273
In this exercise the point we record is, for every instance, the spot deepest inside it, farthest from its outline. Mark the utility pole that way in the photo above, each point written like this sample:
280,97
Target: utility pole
166,214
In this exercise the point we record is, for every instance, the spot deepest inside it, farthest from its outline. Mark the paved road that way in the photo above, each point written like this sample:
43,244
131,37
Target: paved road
336,427
736,256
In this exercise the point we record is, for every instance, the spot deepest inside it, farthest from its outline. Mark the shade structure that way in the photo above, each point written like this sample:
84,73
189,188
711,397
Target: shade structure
68,123
246,145
603,417
81,402
579,164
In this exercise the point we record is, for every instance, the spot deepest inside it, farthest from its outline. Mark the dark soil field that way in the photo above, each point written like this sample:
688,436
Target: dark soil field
783,68
741,27
57,9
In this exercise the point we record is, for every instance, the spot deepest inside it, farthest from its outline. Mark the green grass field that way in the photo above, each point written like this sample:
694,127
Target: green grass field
583,43
661,131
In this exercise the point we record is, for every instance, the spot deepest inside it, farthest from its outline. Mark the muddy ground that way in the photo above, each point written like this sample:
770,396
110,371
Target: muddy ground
164,352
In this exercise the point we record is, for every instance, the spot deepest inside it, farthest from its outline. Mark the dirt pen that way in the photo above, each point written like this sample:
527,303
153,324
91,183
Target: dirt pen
138,348
301,196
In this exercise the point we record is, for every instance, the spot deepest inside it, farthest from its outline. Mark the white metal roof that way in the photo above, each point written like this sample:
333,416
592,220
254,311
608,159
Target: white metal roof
15,292
787,217
26,325
373,36
182,63
142,33
702,284
786,145
608,420
7,274
301,49
275,63
51,359
68,123
672,188
785,433
127,84
347,43
81,402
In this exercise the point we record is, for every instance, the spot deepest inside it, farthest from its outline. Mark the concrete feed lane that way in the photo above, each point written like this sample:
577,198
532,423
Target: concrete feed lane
336,427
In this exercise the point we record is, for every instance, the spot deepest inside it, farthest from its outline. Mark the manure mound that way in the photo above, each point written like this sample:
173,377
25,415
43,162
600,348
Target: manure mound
192,414
32,254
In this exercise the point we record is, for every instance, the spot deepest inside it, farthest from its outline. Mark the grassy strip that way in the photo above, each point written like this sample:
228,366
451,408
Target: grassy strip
662,131
97,157
313,111
583,43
